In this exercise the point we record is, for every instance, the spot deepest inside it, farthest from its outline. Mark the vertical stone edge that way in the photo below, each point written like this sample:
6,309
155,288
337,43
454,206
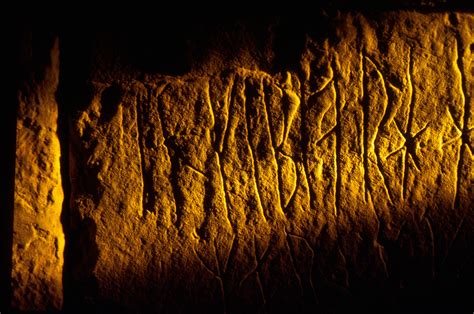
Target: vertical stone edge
38,238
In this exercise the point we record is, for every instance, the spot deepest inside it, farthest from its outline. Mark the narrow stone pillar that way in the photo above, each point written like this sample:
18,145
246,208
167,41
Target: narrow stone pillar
38,238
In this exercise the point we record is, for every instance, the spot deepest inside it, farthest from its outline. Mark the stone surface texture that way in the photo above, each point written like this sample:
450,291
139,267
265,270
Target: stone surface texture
38,238
350,178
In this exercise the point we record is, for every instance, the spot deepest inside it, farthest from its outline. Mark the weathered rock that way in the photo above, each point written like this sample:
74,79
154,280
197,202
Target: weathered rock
351,178
38,238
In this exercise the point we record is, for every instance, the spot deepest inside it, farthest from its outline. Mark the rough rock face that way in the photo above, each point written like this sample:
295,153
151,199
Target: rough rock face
350,180
38,238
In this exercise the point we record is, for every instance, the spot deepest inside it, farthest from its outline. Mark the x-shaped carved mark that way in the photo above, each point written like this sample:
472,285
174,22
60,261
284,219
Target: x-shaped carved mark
463,133
409,147
410,144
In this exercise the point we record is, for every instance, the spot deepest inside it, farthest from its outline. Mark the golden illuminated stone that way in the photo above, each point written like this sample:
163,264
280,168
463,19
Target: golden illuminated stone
241,187
38,238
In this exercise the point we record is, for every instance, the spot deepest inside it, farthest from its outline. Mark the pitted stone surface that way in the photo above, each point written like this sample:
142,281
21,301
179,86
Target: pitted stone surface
38,238
249,189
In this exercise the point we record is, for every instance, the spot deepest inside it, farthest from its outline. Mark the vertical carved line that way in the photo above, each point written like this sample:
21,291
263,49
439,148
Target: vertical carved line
365,130
291,253
411,92
259,260
305,143
219,277
174,157
219,140
338,137
369,140
255,172
411,104
226,197
465,119
433,247
225,134
269,121
310,275
141,153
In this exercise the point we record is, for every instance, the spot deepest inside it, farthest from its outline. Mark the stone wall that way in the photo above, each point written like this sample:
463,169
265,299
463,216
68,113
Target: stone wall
237,186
